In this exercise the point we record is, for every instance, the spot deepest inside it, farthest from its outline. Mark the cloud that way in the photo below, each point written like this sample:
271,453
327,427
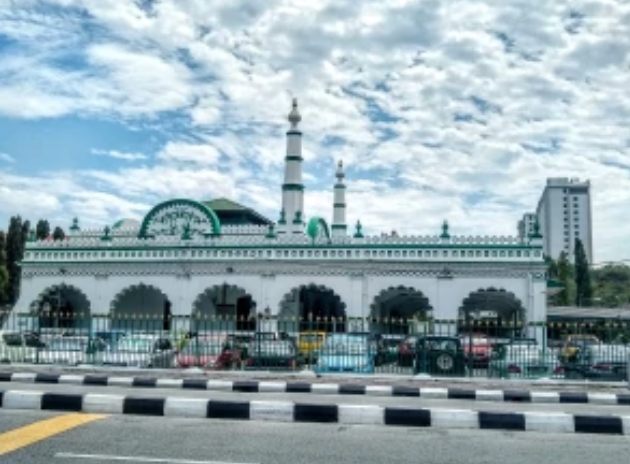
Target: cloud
6,158
119,155
453,110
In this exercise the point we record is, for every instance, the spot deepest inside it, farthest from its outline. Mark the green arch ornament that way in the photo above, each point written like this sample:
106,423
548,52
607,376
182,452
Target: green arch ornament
317,228
180,217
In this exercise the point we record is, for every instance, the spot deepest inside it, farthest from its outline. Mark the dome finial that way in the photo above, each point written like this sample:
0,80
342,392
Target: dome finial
294,115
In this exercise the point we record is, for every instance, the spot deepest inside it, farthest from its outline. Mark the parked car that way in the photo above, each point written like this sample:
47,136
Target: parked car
273,354
141,351
211,353
524,361
391,344
16,347
477,350
597,362
310,343
439,355
349,352
110,337
72,351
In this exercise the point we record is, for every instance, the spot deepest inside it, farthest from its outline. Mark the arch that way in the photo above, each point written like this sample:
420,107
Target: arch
224,307
141,307
317,229
394,309
312,307
62,306
491,311
186,218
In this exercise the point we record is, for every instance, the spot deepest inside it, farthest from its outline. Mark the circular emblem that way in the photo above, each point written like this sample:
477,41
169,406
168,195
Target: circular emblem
444,362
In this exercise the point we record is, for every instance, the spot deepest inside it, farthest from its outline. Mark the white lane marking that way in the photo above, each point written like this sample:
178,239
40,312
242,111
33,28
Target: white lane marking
105,457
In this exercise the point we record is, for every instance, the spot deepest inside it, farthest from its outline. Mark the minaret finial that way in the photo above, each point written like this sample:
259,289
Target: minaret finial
340,174
294,115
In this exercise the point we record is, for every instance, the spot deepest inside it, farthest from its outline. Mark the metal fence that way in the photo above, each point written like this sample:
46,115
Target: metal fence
459,348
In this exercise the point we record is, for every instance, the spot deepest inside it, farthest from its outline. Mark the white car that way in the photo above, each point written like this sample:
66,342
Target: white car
72,351
141,351
16,347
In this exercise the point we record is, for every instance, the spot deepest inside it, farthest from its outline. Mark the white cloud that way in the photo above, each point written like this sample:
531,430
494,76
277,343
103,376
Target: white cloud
119,155
440,109
6,158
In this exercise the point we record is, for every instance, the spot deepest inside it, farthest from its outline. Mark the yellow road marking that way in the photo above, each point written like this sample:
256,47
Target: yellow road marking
30,434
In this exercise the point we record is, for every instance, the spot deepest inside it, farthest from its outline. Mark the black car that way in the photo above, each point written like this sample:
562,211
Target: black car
439,355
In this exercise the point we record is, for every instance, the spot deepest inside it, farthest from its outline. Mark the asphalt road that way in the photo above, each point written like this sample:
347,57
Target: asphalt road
128,439
325,399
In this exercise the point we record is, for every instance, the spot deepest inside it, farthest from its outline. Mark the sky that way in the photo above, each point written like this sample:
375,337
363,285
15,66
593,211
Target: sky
451,110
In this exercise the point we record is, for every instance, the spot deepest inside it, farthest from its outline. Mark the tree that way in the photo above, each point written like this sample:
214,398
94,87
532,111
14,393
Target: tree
4,273
58,234
42,230
584,293
564,274
611,285
15,244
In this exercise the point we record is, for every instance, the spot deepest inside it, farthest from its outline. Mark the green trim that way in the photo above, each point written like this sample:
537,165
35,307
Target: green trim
293,158
339,227
339,205
340,186
151,246
294,132
298,187
212,217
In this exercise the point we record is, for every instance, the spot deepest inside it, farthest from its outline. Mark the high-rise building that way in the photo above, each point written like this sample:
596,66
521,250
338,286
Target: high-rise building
564,214
525,226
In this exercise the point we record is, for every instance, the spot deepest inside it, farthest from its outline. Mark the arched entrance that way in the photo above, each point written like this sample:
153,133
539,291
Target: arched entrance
62,307
141,308
224,307
491,311
312,308
396,309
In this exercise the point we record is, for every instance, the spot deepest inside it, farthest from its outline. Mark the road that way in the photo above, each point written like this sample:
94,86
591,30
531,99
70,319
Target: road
312,398
128,440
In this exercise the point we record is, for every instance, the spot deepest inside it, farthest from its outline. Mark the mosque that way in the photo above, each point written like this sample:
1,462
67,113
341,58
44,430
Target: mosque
219,260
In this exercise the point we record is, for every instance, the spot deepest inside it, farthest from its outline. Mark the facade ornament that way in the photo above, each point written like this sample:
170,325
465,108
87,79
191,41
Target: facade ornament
271,233
445,233
31,236
359,230
75,226
282,219
298,217
106,234
536,233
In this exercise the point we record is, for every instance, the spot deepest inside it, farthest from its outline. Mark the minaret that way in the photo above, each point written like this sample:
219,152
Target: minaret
339,204
293,188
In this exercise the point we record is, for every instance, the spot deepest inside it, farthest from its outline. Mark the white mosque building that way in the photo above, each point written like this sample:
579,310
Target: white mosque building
221,261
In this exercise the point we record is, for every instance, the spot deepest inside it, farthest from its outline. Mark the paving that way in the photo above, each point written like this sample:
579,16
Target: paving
132,439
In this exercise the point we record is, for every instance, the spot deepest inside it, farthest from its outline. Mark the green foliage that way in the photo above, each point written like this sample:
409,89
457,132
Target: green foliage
42,229
584,290
4,273
58,234
611,285
564,273
15,244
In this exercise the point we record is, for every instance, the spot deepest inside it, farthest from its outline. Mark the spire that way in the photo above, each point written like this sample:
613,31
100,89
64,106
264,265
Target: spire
339,226
293,188
294,116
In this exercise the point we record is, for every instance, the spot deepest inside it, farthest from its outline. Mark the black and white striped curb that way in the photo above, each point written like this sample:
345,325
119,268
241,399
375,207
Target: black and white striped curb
279,411
521,396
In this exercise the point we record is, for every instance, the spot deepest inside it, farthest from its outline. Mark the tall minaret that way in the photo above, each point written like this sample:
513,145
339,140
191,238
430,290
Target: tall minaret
293,188
339,204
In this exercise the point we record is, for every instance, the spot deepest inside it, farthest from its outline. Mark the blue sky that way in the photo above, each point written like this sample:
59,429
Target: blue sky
453,110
